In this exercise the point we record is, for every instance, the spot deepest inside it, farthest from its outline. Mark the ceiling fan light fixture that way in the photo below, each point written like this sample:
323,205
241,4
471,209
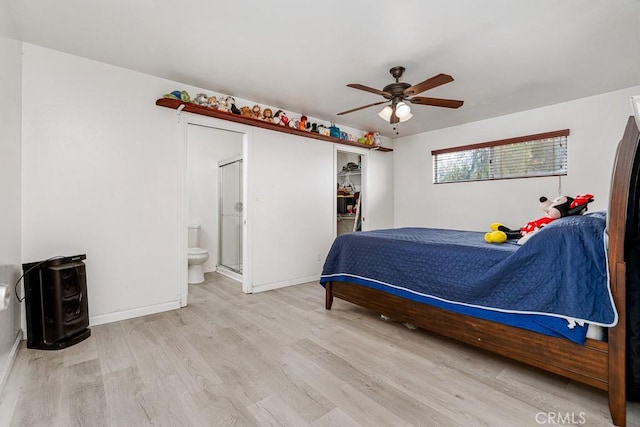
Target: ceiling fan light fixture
405,118
385,114
402,111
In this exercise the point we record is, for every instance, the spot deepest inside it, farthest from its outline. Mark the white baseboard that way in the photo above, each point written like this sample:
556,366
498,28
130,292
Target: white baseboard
12,357
277,285
136,312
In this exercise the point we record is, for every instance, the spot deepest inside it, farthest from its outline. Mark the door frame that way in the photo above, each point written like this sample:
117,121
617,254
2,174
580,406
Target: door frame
364,153
184,120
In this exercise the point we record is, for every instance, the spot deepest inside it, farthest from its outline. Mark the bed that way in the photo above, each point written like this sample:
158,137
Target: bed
430,278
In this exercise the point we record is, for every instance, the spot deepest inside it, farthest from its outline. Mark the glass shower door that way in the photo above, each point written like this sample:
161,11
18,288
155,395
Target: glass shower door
230,211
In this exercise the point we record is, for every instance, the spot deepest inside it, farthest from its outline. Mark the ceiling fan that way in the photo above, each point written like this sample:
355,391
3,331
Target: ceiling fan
400,92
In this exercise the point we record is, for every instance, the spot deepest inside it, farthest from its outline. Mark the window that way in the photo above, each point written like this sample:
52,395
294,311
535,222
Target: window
543,154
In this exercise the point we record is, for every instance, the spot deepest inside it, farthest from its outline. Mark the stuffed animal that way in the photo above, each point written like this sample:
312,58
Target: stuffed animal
212,102
224,103
267,115
177,94
377,140
201,99
368,138
323,130
245,111
302,123
557,208
256,113
280,118
232,103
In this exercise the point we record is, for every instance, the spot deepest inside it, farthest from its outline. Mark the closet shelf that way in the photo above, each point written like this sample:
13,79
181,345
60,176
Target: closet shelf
205,111
347,216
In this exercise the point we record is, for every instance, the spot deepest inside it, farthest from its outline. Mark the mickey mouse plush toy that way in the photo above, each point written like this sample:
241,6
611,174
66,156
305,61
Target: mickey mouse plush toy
557,208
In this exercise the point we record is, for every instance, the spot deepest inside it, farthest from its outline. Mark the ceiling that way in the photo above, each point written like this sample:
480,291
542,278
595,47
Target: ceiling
505,55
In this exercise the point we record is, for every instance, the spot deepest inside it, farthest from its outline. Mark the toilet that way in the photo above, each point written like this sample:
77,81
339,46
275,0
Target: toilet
196,256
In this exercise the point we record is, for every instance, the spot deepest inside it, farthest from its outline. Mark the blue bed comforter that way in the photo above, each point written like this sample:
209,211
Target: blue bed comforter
561,272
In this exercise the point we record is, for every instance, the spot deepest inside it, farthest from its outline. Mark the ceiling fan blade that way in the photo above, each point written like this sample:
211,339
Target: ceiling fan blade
370,89
434,81
360,108
437,102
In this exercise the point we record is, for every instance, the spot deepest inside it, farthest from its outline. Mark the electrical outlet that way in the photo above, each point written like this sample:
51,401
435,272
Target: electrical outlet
5,296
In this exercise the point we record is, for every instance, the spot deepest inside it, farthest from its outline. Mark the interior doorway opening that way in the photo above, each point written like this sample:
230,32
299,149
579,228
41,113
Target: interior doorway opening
351,166
204,143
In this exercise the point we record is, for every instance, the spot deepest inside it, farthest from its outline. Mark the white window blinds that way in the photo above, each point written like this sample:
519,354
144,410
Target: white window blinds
537,155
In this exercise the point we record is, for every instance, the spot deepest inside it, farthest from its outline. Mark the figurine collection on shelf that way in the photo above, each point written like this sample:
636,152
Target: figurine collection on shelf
227,104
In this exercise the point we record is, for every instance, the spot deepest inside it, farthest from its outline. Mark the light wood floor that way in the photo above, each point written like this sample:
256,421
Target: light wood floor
278,358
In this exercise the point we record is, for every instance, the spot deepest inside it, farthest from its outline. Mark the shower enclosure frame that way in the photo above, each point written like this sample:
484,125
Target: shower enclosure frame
236,273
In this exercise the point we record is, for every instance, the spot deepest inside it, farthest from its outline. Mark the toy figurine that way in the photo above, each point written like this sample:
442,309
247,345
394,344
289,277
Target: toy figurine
377,139
302,123
267,115
281,118
255,112
201,99
212,102
177,94
224,104
233,107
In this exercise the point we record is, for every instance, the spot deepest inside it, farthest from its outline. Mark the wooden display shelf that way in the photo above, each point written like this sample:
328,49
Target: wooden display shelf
205,111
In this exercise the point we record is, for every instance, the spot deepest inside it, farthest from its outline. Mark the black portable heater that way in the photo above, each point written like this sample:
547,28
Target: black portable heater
56,302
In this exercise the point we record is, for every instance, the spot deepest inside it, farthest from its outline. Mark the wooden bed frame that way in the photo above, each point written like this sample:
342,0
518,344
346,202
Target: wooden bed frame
596,363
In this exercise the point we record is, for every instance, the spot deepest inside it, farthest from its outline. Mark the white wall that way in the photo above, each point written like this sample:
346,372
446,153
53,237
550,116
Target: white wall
101,174
10,135
100,177
206,147
596,125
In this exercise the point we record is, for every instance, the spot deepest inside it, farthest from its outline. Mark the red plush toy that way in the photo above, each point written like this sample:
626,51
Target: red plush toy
557,208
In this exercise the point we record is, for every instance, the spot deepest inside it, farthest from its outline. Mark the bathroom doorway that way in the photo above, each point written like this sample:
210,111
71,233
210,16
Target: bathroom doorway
230,210
206,147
